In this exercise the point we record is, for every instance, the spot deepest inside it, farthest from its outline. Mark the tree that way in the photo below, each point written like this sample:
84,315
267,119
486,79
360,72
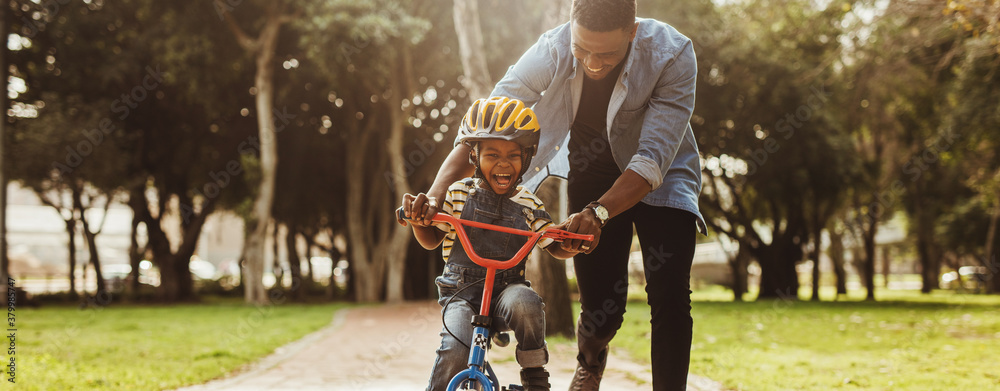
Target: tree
263,49
471,48
978,78
756,108
133,141
395,99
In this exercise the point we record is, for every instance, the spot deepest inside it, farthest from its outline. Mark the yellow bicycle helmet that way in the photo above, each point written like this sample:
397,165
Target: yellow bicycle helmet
501,118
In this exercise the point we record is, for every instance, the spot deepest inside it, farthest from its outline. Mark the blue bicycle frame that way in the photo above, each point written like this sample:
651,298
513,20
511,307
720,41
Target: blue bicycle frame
477,363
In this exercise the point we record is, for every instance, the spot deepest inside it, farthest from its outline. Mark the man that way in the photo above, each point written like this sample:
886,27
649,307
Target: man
614,95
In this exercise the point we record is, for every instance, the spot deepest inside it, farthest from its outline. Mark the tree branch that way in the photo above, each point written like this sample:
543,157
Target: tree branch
107,205
740,209
242,38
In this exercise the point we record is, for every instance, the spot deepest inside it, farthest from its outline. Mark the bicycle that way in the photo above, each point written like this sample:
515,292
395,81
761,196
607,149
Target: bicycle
479,375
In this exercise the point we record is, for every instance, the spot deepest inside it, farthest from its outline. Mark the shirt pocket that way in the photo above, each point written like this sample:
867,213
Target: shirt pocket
625,119
626,131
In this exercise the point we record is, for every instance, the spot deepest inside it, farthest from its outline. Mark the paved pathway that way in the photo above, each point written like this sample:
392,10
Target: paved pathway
391,347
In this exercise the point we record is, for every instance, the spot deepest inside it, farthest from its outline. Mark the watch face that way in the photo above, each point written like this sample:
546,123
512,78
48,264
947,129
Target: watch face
602,212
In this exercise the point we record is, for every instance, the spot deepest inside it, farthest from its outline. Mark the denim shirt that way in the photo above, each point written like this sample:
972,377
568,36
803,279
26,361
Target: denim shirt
648,116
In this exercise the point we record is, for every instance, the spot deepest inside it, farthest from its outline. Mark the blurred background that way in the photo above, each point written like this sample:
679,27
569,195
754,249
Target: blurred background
164,150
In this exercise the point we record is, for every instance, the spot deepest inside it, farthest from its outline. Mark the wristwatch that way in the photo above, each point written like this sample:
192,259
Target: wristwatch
600,211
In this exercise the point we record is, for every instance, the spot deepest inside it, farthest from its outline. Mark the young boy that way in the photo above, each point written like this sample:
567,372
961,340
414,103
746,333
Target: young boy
503,134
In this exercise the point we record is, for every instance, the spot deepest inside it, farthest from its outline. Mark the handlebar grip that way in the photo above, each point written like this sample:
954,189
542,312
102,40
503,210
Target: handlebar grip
560,235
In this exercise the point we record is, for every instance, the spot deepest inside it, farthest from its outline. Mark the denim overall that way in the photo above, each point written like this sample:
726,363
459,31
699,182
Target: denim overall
515,306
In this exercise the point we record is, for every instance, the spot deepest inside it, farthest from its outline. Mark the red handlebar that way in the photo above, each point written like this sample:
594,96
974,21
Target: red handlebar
493,265
533,237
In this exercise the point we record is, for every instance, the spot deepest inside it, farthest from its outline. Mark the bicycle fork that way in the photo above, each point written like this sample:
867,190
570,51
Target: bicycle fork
478,371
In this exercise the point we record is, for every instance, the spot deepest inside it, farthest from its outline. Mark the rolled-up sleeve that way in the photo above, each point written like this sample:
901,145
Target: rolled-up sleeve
667,118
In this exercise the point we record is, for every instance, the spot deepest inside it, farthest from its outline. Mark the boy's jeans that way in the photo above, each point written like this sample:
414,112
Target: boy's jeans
515,307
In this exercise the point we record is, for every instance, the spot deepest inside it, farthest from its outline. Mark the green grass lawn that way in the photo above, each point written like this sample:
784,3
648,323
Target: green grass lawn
904,341
151,347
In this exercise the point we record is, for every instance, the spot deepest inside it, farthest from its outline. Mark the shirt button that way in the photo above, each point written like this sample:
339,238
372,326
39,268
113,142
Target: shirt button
522,272
557,147
537,169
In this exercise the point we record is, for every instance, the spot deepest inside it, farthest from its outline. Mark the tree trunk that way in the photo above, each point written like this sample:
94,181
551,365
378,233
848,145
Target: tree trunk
817,236
175,276
869,259
170,288
350,287
331,290
471,49
547,273
253,251
817,243
738,268
399,239
308,237
294,262
95,259
837,258
70,222
990,261
779,279
770,282
276,269
886,266
91,238
368,271
135,253
71,231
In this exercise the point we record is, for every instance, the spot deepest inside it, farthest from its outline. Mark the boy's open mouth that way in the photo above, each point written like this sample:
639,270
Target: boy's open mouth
503,180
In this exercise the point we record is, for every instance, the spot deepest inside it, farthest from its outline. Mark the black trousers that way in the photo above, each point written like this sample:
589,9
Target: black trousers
667,240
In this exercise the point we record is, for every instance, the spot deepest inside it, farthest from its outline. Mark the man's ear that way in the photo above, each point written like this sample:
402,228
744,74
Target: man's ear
635,30
472,158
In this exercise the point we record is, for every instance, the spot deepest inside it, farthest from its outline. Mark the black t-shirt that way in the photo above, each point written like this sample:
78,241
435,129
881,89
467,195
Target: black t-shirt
592,167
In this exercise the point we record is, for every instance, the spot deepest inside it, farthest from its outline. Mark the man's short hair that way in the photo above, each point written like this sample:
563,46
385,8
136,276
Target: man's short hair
604,15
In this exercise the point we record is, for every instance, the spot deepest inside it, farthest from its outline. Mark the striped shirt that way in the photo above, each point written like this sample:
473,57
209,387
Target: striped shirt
454,204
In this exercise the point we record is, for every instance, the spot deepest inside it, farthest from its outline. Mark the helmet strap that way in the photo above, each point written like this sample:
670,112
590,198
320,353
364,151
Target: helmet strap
474,159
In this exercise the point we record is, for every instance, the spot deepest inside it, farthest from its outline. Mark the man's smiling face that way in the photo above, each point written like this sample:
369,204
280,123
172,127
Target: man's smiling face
600,52
500,161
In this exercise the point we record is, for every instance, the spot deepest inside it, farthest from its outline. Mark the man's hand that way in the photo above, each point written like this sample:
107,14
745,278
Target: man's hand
420,209
585,222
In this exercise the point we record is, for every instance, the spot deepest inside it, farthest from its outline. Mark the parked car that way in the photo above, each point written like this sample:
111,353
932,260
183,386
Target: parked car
972,278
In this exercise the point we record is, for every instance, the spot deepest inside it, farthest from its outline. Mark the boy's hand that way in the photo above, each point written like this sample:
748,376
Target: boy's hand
420,209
